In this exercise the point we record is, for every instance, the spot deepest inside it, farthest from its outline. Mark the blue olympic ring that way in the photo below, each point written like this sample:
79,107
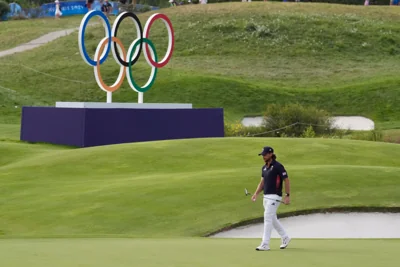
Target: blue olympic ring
81,38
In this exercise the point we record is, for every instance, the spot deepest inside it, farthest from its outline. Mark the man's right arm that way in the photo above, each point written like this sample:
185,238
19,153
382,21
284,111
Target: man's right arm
259,189
260,186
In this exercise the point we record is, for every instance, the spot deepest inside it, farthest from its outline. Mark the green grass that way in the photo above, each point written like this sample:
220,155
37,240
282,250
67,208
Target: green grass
389,125
17,32
195,252
162,196
181,188
9,132
240,57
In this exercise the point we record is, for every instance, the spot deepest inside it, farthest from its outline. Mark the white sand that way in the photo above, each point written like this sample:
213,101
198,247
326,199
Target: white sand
353,123
340,122
329,225
252,121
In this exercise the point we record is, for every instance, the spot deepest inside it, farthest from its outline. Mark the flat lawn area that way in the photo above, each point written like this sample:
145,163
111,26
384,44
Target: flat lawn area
103,252
17,32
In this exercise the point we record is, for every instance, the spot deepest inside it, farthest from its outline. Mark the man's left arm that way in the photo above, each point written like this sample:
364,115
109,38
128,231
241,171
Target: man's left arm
283,174
287,190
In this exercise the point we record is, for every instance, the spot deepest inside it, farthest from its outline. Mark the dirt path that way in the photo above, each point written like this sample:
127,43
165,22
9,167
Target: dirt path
44,39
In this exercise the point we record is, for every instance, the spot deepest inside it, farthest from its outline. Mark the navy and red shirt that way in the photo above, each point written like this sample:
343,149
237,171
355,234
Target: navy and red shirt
273,178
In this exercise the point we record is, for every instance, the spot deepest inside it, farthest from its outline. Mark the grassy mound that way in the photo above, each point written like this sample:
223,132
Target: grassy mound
181,188
236,56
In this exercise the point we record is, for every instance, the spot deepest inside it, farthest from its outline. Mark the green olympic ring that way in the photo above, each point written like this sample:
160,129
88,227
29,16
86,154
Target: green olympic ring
153,75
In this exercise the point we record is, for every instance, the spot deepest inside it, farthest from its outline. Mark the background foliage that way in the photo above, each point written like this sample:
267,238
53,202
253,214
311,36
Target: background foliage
4,8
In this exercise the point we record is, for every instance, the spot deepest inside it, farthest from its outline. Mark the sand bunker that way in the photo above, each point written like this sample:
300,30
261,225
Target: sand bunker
329,225
353,123
339,122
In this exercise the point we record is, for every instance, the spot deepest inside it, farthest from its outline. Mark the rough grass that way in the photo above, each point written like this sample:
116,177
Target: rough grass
181,188
195,252
9,132
392,136
236,56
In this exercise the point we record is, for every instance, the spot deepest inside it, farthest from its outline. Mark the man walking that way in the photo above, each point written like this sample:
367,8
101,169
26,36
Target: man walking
273,174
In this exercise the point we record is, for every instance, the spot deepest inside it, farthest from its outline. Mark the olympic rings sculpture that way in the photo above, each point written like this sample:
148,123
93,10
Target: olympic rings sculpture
126,59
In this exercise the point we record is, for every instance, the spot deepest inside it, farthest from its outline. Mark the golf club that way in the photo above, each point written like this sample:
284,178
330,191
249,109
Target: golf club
248,193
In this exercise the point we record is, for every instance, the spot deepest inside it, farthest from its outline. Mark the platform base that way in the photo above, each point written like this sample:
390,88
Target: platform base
122,105
88,127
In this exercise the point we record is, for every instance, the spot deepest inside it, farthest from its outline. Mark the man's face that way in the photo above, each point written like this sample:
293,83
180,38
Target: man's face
267,157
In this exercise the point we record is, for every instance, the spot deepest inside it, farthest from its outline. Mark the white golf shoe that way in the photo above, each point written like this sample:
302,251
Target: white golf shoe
285,242
263,247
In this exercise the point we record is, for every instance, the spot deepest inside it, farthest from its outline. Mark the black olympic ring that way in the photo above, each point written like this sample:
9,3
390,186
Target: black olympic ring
114,33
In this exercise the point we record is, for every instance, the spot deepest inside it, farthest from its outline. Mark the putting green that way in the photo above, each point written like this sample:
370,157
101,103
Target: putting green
195,252
182,188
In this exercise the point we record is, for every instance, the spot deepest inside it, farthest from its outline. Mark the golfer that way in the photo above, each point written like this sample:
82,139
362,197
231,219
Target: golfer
273,174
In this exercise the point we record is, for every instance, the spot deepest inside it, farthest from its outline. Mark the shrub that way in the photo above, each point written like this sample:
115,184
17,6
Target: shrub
338,134
4,9
308,132
237,129
294,119
145,8
373,135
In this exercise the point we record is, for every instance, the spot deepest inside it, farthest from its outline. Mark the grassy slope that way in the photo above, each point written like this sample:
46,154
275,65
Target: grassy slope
182,188
16,32
195,252
241,57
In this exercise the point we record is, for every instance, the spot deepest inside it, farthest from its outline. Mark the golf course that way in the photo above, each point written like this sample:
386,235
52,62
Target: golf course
157,203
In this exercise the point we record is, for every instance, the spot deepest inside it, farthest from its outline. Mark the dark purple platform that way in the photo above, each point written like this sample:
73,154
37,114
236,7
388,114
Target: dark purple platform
86,127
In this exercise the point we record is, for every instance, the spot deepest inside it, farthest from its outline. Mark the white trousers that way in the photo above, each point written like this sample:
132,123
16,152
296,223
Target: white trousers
271,219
